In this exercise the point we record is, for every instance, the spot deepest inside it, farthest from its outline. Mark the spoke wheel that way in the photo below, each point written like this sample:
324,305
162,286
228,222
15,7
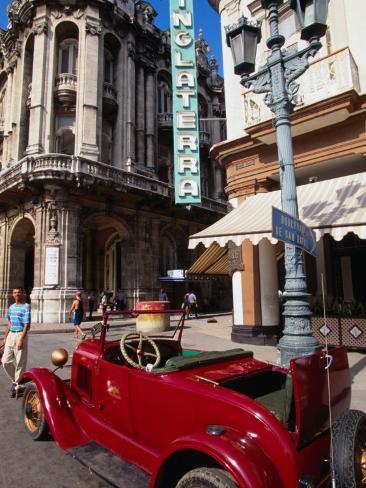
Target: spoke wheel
33,413
349,447
207,478
136,349
360,456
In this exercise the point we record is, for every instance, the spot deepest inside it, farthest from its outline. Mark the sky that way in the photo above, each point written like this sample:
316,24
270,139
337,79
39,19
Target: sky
205,18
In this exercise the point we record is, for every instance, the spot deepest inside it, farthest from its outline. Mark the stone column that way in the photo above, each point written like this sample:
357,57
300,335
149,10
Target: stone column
140,115
268,286
248,330
57,257
39,80
37,295
118,132
8,115
131,107
4,266
235,269
150,119
87,116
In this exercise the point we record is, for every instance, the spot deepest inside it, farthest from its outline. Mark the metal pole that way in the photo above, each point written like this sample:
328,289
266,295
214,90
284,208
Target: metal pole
297,339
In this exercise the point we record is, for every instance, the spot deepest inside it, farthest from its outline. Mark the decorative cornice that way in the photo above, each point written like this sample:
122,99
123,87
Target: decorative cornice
40,28
93,27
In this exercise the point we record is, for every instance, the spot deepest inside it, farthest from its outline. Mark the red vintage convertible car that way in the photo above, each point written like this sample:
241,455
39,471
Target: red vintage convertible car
183,418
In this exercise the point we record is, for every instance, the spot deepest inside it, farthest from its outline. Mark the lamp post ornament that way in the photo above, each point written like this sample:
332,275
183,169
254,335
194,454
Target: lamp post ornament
277,80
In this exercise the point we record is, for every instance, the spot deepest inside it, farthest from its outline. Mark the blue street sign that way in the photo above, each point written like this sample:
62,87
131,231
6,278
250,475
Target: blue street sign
291,230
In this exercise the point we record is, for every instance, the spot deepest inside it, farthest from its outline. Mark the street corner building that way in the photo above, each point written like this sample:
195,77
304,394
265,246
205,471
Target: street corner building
329,139
86,152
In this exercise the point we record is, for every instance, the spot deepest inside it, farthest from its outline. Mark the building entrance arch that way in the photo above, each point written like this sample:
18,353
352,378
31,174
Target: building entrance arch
21,270
104,254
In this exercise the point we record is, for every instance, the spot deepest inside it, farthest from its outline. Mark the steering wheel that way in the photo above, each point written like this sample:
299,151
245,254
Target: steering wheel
128,350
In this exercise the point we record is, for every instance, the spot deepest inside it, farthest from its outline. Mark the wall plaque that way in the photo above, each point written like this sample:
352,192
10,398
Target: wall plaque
52,260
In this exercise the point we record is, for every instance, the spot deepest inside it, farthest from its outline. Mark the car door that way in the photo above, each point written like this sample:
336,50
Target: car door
112,395
311,391
161,409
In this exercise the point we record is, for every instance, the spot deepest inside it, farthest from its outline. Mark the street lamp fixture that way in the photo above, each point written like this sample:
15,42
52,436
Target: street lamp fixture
243,39
276,79
312,16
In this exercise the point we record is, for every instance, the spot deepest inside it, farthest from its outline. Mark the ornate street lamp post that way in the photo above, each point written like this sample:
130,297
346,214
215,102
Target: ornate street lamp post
277,80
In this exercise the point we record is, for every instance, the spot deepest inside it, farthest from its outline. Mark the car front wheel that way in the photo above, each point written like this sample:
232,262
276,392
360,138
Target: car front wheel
33,413
349,449
207,478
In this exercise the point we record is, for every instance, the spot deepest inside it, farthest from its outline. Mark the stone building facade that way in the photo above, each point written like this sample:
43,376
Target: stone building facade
86,191
329,139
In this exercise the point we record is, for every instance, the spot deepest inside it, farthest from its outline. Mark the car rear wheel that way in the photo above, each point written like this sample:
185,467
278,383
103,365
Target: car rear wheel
349,449
207,478
33,414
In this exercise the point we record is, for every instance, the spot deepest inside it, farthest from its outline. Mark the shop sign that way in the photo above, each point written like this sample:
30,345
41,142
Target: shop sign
176,273
185,104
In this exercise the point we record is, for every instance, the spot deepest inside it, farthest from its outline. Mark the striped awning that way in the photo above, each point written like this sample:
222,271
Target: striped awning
214,261
336,207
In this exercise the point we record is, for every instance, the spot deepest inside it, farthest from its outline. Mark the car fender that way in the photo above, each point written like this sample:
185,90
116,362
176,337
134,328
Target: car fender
237,453
58,402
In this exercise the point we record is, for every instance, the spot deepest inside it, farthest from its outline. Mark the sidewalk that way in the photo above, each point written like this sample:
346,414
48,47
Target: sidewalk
205,334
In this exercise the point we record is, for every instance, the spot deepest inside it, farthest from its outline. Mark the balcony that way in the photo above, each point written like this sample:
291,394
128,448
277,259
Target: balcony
110,97
66,85
78,171
327,79
165,120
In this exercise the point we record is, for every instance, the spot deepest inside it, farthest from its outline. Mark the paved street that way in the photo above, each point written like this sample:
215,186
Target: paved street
32,464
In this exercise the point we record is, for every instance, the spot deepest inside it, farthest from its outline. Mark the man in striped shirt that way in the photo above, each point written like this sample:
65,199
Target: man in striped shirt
14,359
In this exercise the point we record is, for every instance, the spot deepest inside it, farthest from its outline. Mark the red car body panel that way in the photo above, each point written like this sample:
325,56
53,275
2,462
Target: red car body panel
147,417
59,404
311,391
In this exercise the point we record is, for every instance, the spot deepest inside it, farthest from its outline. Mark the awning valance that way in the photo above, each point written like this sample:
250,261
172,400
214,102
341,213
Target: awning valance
336,207
214,261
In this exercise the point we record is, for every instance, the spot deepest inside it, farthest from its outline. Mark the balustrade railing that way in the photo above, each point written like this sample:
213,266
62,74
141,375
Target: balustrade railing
165,119
109,91
325,78
66,81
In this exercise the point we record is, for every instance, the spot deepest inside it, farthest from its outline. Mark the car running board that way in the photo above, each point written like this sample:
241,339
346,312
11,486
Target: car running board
111,468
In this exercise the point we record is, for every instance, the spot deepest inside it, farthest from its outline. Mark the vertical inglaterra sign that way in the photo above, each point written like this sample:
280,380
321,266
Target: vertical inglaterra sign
185,104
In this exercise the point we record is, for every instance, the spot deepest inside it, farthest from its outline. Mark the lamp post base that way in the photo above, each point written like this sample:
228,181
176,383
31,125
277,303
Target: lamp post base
292,346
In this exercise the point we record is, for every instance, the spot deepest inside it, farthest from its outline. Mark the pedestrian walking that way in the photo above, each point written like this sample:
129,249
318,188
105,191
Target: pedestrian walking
185,305
15,341
192,304
78,310
104,302
163,297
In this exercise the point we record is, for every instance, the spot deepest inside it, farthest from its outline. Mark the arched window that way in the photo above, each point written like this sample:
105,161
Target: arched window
203,114
164,97
65,136
65,141
107,142
68,56
108,67
168,254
